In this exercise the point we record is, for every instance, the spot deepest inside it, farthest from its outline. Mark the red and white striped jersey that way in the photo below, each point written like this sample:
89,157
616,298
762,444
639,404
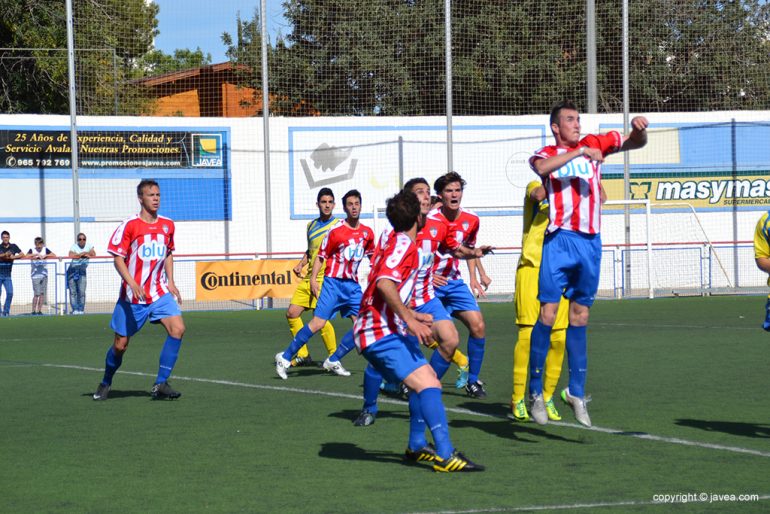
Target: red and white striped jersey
396,261
463,230
574,190
434,237
145,248
344,248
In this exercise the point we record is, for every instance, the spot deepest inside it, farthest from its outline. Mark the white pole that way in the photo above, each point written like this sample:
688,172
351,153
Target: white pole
73,120
448,69
651,291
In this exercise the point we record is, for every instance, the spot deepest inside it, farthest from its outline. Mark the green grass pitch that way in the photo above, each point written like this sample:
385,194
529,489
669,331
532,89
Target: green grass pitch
679,388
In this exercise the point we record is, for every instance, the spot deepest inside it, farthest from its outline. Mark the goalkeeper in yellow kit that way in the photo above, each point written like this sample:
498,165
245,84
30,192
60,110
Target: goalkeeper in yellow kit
303,299
528,308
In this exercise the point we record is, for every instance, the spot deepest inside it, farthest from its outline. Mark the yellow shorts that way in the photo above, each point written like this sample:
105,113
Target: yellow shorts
527,304
302,295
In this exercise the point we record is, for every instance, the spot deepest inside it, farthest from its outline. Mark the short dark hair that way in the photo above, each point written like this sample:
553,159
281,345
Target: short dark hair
556,110
39,239
325,191
5,233
402,210
146,182
413,182
352,192
434,200
448,178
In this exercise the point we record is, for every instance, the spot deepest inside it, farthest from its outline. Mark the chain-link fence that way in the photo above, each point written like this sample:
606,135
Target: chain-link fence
363,95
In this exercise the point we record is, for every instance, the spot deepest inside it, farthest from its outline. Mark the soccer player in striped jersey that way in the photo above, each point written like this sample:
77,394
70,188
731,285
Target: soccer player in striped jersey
342,250
762,256
303,299
535,219
433,238
572,249
382,338
451,289
142,247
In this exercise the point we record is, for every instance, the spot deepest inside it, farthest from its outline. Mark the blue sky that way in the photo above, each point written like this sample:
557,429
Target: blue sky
200,23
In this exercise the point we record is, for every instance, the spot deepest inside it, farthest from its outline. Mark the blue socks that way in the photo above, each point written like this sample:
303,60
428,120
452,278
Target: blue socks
434,416
372,380
302,337
577,357
540,341
344,348
475,357
416,423
111,364
766,324
439,365
168,356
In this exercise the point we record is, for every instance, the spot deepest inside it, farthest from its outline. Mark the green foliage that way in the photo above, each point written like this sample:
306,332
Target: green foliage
387,57
157,62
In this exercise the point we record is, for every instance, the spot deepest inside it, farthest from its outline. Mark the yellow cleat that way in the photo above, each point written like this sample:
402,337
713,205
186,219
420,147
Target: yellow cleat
550,408
519,411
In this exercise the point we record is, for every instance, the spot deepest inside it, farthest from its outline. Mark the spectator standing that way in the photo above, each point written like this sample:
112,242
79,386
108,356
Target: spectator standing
39,273
80,253
9,252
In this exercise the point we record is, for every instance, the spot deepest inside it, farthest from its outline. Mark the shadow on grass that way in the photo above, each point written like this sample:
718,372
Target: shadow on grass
115,394
728,427
349,451
508,429
350,415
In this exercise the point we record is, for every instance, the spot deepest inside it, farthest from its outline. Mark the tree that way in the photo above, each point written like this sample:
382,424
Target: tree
387,56
156,62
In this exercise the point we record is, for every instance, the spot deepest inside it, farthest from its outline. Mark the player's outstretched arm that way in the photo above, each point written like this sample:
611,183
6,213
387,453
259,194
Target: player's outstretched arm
638,136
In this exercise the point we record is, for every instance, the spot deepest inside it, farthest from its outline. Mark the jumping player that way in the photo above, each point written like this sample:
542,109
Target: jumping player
572,250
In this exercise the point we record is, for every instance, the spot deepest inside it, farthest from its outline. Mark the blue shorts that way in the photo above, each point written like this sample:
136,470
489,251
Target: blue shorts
341,295
570,267
395,357
436,309
456,297
129,318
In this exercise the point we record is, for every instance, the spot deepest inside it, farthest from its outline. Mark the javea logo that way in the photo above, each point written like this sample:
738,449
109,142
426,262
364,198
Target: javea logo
207,150
152,251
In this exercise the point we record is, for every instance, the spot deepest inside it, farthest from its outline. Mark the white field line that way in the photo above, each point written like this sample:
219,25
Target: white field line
611,431
574,506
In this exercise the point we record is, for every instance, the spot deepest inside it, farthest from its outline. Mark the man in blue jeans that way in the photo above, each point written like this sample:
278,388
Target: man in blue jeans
9,252
80,252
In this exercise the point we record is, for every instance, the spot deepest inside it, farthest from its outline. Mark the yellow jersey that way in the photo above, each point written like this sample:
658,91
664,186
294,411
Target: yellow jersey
533,233
316,231
762,239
